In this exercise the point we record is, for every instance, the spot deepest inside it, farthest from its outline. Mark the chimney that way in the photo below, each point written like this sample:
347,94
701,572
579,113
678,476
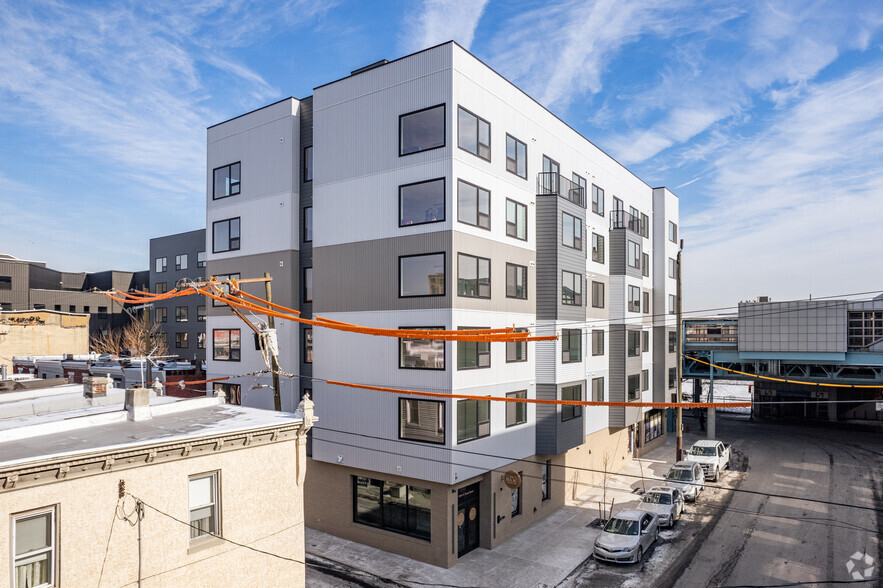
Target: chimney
94,387
138,404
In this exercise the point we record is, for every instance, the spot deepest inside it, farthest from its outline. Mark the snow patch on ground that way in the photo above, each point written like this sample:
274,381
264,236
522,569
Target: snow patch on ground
724,391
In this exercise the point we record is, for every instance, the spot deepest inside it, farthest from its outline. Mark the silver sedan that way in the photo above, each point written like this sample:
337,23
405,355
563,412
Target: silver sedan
626,537
666,503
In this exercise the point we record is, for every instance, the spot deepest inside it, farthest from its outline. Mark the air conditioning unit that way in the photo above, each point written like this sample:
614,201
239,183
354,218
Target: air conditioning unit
763,299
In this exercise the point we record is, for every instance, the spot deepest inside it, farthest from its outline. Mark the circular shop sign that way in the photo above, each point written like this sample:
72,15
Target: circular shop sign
512,479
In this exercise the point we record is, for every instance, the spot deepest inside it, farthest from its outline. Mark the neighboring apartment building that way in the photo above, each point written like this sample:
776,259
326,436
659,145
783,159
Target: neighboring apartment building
42,332
174,258
73,462
30,285
446,198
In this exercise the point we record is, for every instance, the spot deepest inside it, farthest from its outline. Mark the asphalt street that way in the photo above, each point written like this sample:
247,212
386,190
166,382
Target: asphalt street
764,539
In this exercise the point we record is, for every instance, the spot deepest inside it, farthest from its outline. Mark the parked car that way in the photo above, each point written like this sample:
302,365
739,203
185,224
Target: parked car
713,456
665,502
687,477
626,537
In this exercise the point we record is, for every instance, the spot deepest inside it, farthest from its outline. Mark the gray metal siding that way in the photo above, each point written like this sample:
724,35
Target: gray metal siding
548,275
616,375
801,326
547,420
306,247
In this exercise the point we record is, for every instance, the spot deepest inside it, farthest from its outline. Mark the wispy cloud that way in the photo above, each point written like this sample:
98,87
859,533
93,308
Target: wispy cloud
437,21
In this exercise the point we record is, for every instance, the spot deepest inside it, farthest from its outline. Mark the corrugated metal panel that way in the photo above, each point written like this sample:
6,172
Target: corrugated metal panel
547,420
548,280
616,376
547,354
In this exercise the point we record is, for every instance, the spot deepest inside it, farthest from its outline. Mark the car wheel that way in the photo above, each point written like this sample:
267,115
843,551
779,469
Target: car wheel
656,536
640,555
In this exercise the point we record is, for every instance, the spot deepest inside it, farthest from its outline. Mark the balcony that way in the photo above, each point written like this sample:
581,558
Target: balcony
620,219
551,183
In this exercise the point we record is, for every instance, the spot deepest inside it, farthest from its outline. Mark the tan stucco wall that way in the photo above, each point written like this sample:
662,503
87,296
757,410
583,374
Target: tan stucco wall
605,450
261,506
56,335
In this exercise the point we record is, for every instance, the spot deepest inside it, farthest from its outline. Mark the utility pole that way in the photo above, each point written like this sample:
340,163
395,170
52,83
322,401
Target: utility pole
679,446
277,398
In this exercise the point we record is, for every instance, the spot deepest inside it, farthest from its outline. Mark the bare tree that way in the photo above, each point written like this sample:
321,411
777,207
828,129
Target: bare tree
138,336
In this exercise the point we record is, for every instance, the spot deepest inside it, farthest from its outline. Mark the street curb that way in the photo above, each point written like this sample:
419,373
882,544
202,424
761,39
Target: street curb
349,574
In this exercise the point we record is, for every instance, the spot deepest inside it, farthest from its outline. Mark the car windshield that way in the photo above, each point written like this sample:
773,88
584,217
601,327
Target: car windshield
680,474
706,451
657,498
621,527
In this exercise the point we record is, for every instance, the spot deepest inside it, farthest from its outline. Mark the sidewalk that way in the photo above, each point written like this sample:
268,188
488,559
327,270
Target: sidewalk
541,556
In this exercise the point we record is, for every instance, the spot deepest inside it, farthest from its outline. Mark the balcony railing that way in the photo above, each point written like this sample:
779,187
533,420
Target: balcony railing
620,219
550,183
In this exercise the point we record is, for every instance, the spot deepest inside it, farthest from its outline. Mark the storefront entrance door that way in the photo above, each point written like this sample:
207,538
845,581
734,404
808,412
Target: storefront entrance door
467,519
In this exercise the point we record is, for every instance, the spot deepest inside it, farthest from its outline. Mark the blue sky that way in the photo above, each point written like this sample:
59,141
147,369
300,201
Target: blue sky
765,118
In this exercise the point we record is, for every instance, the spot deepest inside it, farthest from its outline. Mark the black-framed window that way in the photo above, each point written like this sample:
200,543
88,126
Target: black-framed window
672,341
633,343
308,224
551,171
571,231
308,284
516,281
672,232
581,182
597,200
181,314
422,420
546,480
473,205
645,341
308,163
571,288
571,345
5,282
516,219
597,294
672,377
598,342
634,255
422,275
227,180
672,304
645,380
473,420
672,268
200,259
654,424
308,345
598,389
160,314
515,509
646,304
200,340
232,392
102,311
571,411
159,288
226,344
422,130
473,134
200,313
160,265
645,265
634,301
617,207
645,226
224,287
633,387
473,276
597,248
58,307
516,351
225,235
392,506
516,412
182,340
422,202
422,354
516,156
473,354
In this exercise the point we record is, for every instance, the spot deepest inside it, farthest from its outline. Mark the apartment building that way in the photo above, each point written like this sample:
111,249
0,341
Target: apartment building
175,258
429,192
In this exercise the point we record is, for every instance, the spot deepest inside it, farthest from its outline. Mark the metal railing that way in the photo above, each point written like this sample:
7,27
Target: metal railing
551,183
620,219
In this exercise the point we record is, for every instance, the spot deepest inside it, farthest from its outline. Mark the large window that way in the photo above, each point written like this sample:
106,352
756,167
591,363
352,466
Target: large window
422,354
226,345
571,289
226,179
204,505
308,345
200,313
161,265
181,262
645,341
645,226
225,235
516,350
571,411
422,420
597,200
645,265
182,340
516,220
645,380
516,156
571,345
633,343
220,278
422,130
473,276
597,248
200,259
672,304
422,275
161,314
516,281
180,314
598,294
308,224
598,389
672,232
551,171
308,163
634,299
672,265
672,377
422,202
395,507
598,342
34,551
634,255
200,340
473,420
571,231
633,387
581,182
473,354
473,205
5,282
160,287
654,424
232,392
308,284
473,134
646,305
516,412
